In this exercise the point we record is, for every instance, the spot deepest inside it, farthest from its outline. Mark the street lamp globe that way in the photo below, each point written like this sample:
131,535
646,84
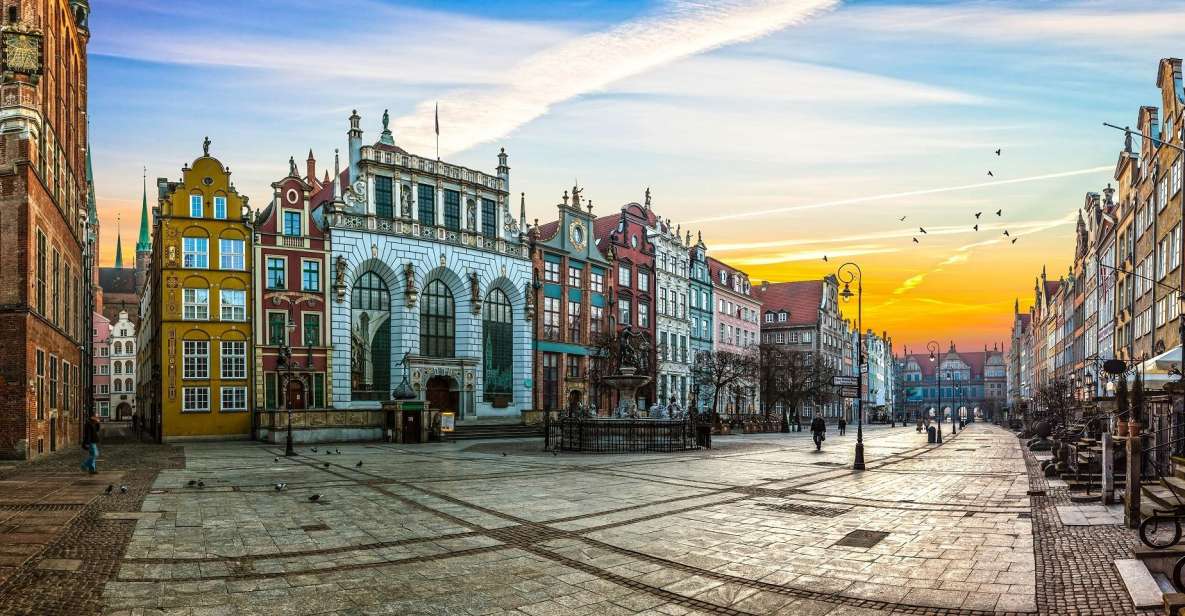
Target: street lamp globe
846,294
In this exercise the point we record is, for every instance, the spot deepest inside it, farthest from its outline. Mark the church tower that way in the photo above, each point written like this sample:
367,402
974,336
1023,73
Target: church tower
118,247
143,244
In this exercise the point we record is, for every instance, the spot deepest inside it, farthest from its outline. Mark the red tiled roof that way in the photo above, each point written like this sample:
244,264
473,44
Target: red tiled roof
714,267
801,299
1051,287
975,359
546,231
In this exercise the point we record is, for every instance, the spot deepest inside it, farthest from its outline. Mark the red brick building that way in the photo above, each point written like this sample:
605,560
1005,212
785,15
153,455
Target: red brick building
44,324
291,284
623,239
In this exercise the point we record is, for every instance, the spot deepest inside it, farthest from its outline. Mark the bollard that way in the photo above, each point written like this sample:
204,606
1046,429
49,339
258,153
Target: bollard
1107,470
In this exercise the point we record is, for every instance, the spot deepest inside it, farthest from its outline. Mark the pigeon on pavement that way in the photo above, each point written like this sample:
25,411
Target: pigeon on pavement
359,464
109,489
280,486
123,489
201,484
315,497
191,483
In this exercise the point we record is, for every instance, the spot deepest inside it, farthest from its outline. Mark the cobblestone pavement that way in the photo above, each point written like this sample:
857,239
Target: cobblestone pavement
63,536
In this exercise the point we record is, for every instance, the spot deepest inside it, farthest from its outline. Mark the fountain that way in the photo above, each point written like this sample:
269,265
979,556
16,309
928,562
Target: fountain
633,346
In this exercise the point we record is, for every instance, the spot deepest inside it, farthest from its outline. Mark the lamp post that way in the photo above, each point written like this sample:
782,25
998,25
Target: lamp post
286,362
933,347
850,272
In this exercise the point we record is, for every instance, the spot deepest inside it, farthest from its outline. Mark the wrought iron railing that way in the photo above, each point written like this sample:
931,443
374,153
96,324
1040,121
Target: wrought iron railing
622,435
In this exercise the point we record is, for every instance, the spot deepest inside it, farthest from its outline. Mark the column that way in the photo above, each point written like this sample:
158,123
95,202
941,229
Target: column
439,209
415,199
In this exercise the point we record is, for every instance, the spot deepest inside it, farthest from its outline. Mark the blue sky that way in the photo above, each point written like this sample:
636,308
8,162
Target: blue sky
722,108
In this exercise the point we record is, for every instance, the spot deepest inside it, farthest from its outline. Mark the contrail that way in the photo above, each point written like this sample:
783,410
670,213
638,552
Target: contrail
908,193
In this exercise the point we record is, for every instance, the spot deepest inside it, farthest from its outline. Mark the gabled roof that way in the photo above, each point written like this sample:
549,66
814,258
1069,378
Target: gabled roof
975,359
547,230
715,266
1051,287
802,299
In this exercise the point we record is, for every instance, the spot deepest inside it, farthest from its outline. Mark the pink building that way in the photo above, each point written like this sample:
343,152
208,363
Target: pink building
738,326
101,335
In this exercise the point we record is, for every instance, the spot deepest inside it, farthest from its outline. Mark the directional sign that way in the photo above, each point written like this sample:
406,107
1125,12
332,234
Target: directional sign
844,381
848,392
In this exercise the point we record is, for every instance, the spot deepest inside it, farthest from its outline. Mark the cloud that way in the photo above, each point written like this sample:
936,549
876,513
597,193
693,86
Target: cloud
592,62
911,282
814,255
897,195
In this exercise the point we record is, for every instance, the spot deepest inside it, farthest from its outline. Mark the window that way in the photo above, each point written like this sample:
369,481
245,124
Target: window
497,328
310,276
426,194
662,302
55,301
370,293
384,197
489,217
234,398
596,280
573,365
452,209
623,276
370,364
195,399
275,273
769,317
53,381
623,312
42,256
643,314
782,317
596,318
551,381
233,305
118,367
551,318
643,281
234,359
312,330
118,348
277,323
66,391
230,255
291,223
663,347
220,208
195,206
573,321
574,276
195,252
1162,194
551,271
195,304
437,321
1175,176
195,359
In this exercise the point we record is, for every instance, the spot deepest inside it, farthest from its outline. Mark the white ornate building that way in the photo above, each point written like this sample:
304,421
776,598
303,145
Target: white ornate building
123,366
429,263
673,325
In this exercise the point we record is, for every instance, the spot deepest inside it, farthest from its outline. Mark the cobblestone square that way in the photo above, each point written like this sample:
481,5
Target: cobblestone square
755,526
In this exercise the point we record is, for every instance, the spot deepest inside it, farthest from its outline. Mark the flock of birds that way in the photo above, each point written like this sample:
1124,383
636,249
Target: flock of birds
975,227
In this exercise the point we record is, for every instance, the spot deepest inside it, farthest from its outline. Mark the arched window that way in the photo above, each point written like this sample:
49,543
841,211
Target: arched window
118,348
118,367
127,367
437,322
370,324
497,326
130,348
127,385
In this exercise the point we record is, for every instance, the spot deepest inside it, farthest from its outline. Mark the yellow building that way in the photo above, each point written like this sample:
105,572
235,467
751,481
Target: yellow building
197,327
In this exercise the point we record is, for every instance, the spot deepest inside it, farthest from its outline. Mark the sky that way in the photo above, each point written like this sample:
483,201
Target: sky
784,131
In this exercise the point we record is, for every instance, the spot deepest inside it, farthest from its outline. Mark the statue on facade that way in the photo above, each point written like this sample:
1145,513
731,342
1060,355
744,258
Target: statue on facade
206,146
647,196
471,215
405,202
1127,139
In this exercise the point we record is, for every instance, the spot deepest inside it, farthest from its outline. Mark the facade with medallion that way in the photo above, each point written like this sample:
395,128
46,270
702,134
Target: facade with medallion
431,281
575,284
292,253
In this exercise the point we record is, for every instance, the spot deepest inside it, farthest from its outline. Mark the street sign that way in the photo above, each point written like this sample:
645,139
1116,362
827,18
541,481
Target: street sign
844,381
849,392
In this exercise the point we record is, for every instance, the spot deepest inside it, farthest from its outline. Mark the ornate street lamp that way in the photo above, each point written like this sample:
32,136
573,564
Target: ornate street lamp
933,347
850,272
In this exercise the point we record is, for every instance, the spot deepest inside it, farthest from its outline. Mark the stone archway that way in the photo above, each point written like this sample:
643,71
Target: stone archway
123,411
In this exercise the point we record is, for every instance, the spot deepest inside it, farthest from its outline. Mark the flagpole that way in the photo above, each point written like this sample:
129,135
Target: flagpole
437,131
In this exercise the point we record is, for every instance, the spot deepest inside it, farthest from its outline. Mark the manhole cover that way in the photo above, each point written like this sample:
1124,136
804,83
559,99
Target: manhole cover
1024,515
821,512
861,538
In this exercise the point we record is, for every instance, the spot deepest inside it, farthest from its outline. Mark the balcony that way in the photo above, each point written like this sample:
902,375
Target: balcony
289,241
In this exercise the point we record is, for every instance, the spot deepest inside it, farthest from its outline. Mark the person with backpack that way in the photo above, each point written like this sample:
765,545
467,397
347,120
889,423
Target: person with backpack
90,444
818,431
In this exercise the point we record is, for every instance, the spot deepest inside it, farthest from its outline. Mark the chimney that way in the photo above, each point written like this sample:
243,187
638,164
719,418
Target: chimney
355,141
764,285
311,169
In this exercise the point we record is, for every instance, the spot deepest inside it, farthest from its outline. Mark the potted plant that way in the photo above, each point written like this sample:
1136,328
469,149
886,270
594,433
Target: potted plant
1121,408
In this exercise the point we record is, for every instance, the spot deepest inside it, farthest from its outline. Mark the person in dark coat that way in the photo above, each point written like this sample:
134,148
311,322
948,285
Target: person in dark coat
843,426
90,444
818,431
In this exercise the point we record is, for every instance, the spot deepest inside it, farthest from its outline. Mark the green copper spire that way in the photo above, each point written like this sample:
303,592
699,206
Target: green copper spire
118,250
143,244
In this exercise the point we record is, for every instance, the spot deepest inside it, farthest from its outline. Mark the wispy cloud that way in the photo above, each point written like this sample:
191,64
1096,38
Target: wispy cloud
898,195
593,61
814,255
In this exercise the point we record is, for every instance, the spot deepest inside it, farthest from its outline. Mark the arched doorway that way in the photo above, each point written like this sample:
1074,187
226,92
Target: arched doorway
443,394
123,411
294,394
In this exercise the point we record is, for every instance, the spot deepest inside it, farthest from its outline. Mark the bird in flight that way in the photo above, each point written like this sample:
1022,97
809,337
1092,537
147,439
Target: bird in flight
977,215
999,212
991,174
824,258
1005,232
998,151
976,227
921,229
902,218
915,240
1014,239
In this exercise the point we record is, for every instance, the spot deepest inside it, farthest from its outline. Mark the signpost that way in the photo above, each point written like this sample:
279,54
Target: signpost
849,392
845,381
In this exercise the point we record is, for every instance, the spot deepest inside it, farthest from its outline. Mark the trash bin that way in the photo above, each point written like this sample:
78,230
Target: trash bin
703,435
931,435
962,423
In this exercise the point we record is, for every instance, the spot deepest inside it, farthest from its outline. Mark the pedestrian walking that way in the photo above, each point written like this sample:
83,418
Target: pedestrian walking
90,444
136,424
818,431
843,426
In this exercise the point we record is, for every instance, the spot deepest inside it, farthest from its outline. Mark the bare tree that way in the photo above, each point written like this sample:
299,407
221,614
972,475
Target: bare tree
793,378
1053,402
717,371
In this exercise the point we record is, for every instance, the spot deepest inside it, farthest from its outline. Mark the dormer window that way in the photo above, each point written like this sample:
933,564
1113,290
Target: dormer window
782,316
723,277
769,317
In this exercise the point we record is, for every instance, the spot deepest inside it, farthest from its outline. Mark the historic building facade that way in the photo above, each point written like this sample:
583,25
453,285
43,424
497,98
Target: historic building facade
700,306
673,323
625,236
959,383
878,378
123,345
44,325
804,316
430,266
101,365
290,300
197,341
575,281
737,314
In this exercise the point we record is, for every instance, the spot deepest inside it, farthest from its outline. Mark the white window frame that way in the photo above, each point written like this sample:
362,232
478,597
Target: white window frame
198,300
623,275
235,264
233,359
199,256
196,201
195,359
303,262
220,207
237,399
192,399
229,311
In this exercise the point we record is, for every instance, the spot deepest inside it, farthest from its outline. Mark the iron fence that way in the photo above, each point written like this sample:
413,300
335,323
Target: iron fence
622,435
